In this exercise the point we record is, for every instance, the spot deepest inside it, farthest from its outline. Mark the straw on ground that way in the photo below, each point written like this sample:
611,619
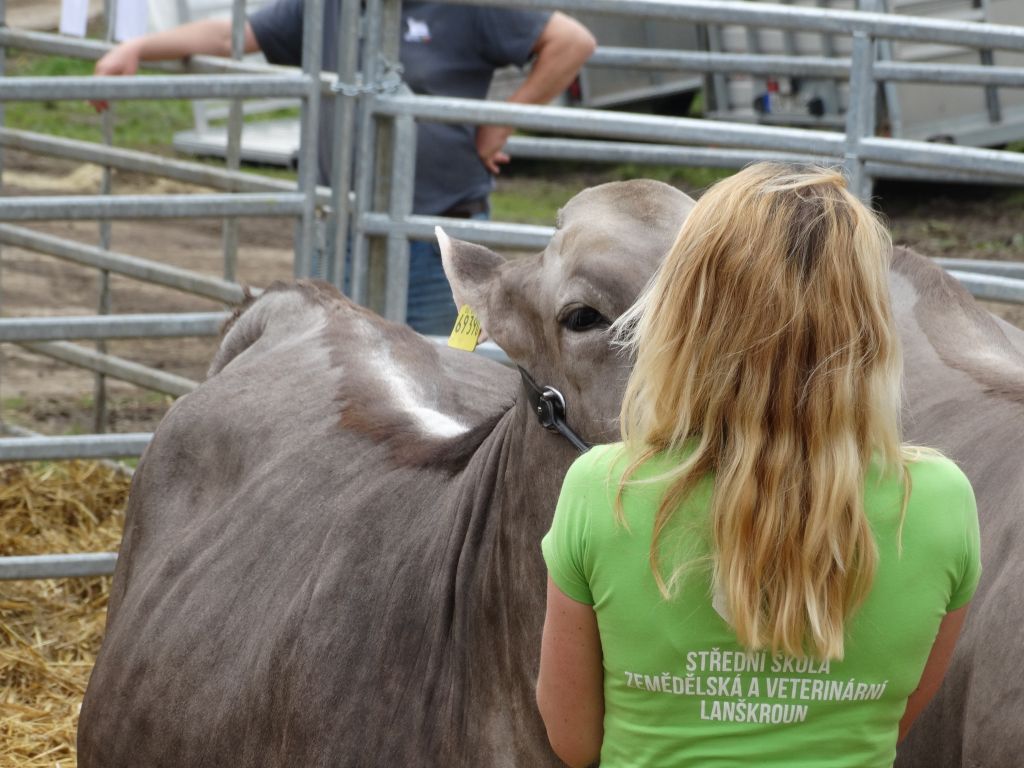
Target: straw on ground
50,630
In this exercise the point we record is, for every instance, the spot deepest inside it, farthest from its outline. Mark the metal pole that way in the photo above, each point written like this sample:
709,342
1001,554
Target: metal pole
312,54
134,326
153,87
234,148
828,47
611,125
992,162
708,61
760,83
789,42
57,566
99,404
587,150
79,207
403,173
144,162
13,430
491,233
46,448
886,54
992,104
112,366
953,74
1014,269
3,73
991,287
339,221
720,85
860,120
365,153
145,270
379,274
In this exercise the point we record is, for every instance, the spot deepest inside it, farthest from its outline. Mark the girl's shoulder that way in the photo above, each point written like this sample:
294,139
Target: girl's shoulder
600,463
939,488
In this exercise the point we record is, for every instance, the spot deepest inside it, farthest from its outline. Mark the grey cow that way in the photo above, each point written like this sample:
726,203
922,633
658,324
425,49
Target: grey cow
964,394
331,555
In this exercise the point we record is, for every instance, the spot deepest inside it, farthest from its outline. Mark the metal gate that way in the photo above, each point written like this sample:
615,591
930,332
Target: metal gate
369,205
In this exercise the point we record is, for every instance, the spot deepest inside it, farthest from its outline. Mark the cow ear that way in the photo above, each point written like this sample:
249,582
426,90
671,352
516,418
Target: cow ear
471,270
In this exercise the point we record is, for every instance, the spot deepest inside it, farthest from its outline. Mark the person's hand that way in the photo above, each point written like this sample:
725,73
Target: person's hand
121,60
490,143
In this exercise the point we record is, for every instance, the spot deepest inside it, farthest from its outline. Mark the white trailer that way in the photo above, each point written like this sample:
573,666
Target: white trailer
968,115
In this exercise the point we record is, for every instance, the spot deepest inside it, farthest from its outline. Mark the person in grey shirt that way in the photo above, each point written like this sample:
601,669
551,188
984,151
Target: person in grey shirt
446,50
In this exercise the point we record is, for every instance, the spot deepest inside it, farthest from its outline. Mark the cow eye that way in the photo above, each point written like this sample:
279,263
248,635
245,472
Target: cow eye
580,319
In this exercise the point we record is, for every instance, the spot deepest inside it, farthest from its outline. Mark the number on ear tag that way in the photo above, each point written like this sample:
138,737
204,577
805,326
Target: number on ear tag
466,332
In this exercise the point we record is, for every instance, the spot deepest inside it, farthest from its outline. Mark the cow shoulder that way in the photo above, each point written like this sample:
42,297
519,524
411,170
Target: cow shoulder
282,310
935,307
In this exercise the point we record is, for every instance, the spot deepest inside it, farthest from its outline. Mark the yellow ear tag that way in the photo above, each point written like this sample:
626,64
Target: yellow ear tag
467,329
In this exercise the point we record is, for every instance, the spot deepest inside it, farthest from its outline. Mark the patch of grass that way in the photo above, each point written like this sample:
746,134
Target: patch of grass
148,125
142,398
14,403
531,201
287,113
697,105
692,180
271,171
1012,198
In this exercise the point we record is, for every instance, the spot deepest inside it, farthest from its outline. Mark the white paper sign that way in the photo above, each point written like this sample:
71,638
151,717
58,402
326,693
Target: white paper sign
73,17
131,17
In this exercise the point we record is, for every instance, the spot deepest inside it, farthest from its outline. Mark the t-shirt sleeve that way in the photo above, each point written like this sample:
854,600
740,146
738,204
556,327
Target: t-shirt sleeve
278,29
970,565
507,36
566,545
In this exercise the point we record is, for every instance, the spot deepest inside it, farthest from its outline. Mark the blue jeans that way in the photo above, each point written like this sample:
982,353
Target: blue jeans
430,308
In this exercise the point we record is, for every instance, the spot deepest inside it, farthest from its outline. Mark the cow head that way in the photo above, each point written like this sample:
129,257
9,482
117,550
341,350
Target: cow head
551,312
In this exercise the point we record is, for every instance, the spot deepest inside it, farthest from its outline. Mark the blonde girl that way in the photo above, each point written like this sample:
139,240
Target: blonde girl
761,573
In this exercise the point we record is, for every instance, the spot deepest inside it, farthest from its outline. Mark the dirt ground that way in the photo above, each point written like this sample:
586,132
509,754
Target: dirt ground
36,15
52,397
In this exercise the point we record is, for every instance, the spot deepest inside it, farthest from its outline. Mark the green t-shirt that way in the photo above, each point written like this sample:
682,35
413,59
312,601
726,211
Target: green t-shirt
680,691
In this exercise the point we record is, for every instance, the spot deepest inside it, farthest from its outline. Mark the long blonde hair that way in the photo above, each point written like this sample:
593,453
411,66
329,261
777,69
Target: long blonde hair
766,343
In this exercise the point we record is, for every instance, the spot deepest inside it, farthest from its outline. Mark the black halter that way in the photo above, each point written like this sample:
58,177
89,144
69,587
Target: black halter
549,405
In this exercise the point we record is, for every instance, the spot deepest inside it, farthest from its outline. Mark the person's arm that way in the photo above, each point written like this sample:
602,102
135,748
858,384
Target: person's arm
570,686
934,669
211,37
560,50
